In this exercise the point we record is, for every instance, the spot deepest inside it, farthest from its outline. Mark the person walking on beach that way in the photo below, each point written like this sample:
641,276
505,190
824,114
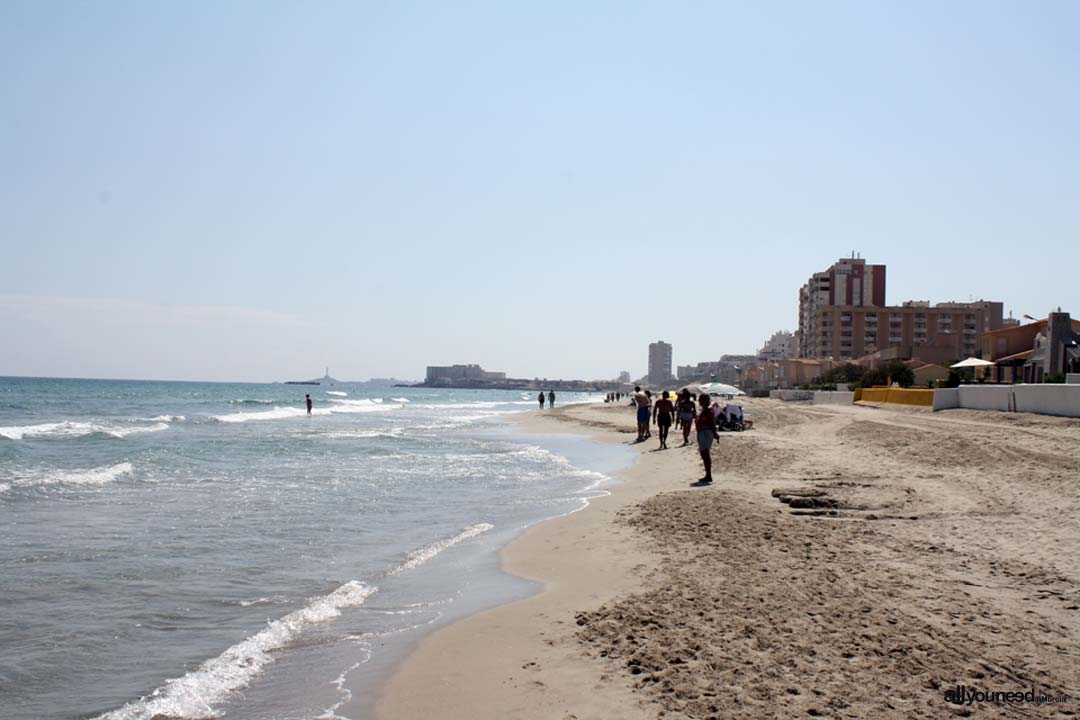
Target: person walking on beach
648,427
662,412
642,402
706,433
540,397
685,409
308,399
551,398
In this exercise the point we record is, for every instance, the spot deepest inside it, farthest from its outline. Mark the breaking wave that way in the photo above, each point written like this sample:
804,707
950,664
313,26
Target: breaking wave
193,695
420,556
90,477
76,429
280,413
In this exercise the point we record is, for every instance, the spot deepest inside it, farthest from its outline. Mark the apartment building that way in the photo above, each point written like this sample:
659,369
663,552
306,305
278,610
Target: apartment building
939,333
659,362
850,282
781,345
842,315
719,371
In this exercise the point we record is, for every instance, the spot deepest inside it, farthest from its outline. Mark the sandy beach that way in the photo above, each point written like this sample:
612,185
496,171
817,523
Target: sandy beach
848,562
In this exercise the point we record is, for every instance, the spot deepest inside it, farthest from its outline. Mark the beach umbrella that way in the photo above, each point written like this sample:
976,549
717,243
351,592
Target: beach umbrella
972,362
721,389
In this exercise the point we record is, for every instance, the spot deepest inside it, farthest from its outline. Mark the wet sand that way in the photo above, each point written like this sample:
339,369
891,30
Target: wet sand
848,562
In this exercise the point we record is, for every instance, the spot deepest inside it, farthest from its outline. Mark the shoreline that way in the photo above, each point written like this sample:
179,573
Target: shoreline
520,659
849,562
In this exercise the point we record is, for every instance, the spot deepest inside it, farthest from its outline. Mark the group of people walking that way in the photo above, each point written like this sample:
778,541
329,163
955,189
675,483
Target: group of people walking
550,398
684,413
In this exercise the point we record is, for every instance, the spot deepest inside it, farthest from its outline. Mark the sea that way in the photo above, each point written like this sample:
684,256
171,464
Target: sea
202,550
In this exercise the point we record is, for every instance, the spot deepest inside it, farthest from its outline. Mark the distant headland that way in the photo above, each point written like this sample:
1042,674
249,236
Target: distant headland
474,377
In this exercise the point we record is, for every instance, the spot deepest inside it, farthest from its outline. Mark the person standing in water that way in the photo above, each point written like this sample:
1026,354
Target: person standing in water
551,398
706,433
307,398
662,412
541,397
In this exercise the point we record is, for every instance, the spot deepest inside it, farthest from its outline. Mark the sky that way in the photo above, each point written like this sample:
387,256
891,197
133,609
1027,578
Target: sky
256,190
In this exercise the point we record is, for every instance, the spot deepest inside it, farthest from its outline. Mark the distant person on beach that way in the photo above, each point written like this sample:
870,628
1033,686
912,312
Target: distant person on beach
662,414
706,433
686,411
308,398
551,398
642,402
540,397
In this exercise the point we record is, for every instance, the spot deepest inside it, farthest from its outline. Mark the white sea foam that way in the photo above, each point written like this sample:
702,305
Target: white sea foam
161,419
391,433
89,477
257,601
420,556
75,429
361,406
194,695
277,413
478,405
400,400
280,413
337,392
124,432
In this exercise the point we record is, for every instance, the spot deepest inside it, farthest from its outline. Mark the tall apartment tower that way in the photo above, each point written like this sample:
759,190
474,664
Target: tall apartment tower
659,362
850,282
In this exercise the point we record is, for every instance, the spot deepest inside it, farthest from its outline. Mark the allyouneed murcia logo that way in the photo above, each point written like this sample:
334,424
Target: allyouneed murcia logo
964,695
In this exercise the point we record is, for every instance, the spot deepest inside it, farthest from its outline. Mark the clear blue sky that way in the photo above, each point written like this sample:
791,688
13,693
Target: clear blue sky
252,190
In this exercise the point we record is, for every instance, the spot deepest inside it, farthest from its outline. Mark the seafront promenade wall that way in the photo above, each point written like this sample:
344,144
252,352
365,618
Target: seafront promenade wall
900,396
1048,399
833,397
945,398
790,395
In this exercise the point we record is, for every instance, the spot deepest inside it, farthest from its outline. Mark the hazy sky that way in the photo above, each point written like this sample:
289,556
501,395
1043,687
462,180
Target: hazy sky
251,191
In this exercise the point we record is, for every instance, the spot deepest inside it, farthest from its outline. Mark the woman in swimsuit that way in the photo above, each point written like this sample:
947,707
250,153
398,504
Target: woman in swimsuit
686,415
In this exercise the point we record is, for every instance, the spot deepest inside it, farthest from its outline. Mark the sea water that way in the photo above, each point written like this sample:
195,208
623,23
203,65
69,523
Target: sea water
199,550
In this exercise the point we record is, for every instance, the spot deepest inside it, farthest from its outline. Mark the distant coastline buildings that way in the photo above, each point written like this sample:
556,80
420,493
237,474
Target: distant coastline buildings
458,373
472,376
781,345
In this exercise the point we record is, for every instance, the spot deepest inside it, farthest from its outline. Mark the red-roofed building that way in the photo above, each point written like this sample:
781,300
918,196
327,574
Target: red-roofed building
1029,352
